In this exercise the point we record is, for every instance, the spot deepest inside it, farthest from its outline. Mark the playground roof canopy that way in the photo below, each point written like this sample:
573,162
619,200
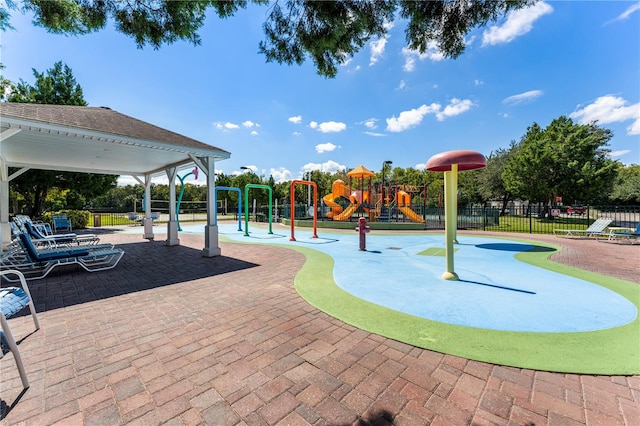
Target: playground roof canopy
361,172
92,140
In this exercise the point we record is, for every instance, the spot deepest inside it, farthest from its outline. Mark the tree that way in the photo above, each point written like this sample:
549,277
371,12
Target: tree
56,86
626,189
564,159
329,32
490,183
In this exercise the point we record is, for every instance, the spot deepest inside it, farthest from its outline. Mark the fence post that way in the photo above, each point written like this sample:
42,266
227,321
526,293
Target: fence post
530,221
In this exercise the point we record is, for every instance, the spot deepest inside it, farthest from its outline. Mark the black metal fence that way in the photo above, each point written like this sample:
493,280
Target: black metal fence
526,218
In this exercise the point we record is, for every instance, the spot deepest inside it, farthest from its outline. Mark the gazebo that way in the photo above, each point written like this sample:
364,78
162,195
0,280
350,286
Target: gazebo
101,140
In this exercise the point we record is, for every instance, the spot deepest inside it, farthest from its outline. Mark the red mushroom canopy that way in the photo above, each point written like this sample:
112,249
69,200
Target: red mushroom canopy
466,160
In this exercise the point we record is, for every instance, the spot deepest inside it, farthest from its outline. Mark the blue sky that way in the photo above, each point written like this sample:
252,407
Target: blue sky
579,59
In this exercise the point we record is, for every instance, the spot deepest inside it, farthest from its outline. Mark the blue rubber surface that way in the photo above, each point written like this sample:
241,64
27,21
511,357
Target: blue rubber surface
495,290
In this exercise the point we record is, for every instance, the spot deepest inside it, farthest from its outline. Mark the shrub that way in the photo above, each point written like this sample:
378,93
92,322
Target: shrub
79,218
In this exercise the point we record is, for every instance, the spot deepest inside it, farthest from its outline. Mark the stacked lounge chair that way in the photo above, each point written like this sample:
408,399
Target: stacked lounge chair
36,260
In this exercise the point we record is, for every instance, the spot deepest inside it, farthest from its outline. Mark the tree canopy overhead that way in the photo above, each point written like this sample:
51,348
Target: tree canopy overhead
328,32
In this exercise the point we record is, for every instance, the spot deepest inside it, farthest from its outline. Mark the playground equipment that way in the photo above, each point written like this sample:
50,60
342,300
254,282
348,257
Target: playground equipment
358,198
339,189
193,172
361,199
215,203
404,202
363,229
450,163
315,203
246,206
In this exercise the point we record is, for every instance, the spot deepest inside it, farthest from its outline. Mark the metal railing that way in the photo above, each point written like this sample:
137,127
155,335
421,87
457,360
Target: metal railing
525,219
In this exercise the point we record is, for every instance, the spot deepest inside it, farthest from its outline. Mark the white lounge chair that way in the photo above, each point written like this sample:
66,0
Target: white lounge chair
595,229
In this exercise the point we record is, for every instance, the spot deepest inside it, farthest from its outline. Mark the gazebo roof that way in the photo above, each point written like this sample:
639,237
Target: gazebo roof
92,140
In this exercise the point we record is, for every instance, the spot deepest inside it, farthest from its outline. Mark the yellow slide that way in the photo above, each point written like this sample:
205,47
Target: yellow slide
404,200
413,216
346,214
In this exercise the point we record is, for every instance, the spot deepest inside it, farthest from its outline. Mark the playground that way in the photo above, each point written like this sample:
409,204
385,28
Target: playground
379,203
510,305
502,304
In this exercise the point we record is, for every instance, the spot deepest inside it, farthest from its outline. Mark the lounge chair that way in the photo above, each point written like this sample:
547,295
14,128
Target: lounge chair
42,227
134,217
594,230
61,222
12,301
36,263
632,236
60,239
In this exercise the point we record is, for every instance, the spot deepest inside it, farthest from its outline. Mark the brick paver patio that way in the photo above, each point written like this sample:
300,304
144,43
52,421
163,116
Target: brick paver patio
169,337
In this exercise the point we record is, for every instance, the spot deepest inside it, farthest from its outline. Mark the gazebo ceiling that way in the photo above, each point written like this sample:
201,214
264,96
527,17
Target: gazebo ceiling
92,140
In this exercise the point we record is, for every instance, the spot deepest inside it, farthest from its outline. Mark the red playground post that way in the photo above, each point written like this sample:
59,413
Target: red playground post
363,229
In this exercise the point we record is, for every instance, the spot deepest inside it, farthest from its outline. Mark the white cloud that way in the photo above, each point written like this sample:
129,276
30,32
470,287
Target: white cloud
250,124
280,174
374,134
455,107
522,97
377,50
420,166
296,134
411,118
296,120
226,126
328,126
402,85
370,123
478,82
610,109
616,154
409,63
346,62
410,56
625,15
433,52
254,133
328,166
519,22
325,147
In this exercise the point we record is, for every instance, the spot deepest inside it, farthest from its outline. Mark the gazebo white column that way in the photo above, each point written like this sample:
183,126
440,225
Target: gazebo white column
211,244
5,229
172,225
147,221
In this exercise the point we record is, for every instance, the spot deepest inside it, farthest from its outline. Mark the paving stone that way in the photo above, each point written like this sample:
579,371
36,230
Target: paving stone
158,343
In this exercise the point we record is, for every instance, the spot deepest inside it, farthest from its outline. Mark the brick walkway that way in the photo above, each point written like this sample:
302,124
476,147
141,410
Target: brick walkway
171,337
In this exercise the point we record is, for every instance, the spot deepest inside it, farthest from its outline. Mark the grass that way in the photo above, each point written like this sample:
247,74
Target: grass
536,225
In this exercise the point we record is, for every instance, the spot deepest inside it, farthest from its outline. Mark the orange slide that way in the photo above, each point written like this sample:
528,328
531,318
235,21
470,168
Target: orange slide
339,189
